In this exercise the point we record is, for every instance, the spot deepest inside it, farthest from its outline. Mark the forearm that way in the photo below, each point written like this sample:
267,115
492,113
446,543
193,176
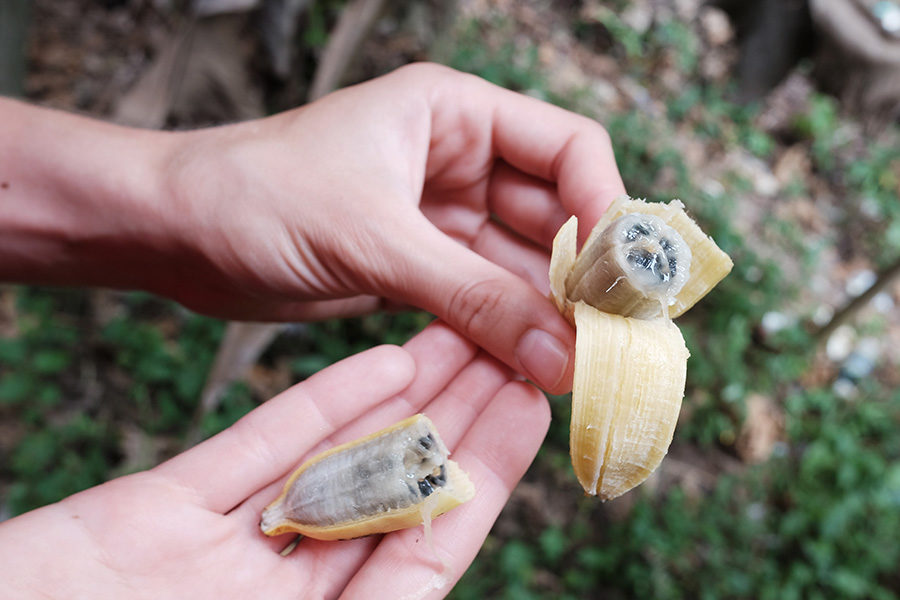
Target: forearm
81,201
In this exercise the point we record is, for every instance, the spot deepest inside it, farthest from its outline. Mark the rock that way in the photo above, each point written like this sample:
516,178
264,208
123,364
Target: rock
883,303
793,164
638,16
715,65
822,314
687,10
774,321
763,428
840,343
856,367
859,282
605,92
758,172
715,26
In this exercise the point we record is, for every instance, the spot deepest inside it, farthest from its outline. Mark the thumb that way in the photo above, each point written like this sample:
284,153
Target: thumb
497,310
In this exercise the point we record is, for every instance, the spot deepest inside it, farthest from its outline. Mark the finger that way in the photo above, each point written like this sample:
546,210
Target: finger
258,309
264,444
534,137
324,565
327,309
453,412
440,354
500,312
560,146
526,204
515,254
495,453
445,363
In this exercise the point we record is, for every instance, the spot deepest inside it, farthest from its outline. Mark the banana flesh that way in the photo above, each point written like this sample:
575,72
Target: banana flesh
395,478
630,367
634,269
709,265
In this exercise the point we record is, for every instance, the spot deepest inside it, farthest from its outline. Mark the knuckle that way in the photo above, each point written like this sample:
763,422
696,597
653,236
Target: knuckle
474,307
602,134
548,229
254,441
595,131
592,129
423,70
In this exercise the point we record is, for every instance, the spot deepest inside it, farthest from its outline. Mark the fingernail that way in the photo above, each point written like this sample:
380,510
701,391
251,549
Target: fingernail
543,357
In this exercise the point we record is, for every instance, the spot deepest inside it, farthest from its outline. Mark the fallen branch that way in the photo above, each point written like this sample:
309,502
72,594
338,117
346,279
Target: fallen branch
850,309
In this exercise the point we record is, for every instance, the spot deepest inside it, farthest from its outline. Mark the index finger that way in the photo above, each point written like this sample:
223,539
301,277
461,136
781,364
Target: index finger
538,138
263,445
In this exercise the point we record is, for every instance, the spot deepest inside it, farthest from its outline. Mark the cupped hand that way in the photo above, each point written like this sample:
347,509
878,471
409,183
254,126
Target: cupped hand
189,528
425,187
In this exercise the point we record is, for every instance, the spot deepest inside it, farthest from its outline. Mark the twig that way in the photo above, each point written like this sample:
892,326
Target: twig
850,309
354,24
14,19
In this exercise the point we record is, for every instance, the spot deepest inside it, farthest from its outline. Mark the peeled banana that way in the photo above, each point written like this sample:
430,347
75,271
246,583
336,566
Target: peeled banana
642,265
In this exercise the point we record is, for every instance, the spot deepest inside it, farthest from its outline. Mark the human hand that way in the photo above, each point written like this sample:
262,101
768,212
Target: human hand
189,528
425,187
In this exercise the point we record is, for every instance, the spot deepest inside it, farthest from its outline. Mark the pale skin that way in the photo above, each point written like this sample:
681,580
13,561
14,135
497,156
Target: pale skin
425,187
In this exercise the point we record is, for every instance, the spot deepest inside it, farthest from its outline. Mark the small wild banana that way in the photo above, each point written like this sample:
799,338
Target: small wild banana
642,265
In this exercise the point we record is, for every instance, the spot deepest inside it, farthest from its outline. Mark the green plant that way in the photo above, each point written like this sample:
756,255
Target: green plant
819,125
489,51
53,457
60,459
820,520
319,16
32,364
166,375
873,186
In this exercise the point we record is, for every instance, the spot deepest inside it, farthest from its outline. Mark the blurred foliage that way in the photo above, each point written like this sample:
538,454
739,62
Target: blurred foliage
511,64
165,375
61,450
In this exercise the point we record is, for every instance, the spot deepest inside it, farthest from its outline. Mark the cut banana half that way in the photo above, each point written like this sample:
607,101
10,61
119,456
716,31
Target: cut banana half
392,479
642,265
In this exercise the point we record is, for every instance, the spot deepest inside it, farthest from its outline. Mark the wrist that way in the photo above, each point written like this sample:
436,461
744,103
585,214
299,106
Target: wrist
83,202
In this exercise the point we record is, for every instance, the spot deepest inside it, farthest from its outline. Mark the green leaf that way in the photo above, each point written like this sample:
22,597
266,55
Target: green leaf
15,387
306,365
51,361
12,351
517,562
49,395
554,544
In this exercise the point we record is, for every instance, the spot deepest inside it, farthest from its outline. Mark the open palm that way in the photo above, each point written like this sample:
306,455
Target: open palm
189,528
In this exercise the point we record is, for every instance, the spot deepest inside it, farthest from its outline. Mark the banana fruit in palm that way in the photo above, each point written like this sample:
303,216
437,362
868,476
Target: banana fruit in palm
642,265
